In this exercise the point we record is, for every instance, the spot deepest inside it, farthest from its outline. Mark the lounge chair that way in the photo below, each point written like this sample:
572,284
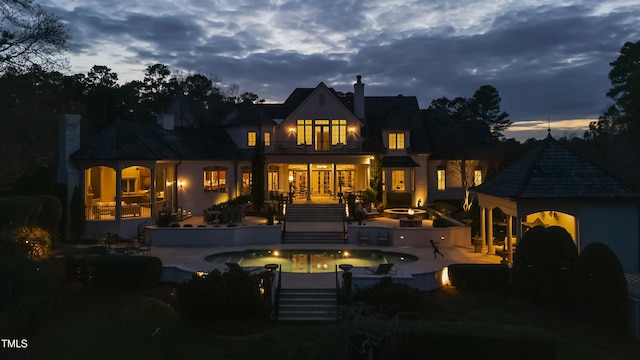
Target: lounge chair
382,269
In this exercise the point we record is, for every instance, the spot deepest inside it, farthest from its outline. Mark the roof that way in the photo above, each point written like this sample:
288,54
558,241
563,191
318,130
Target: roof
132,141
398,161
395,113
247,113
552,171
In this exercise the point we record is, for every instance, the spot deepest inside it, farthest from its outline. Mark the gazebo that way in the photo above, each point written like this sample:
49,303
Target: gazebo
552,186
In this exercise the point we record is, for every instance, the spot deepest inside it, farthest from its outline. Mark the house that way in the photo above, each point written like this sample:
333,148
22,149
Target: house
318,144
553,186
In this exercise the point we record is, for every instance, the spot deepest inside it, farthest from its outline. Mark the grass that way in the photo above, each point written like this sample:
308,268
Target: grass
142,324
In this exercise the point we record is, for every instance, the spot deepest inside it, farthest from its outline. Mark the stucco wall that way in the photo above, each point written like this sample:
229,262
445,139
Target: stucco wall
213,236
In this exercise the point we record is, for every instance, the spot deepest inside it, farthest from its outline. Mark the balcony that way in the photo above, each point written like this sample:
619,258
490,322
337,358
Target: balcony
289,147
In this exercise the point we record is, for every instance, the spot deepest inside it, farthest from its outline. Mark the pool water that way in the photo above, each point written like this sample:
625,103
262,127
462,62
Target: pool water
310,261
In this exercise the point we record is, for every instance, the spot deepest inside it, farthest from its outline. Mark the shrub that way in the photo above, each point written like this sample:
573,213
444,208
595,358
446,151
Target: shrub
231,295
33,242
542,265
481,277
115,271
601,287
391,298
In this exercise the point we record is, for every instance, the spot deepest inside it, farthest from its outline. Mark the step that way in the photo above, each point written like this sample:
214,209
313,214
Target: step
314,237
308,305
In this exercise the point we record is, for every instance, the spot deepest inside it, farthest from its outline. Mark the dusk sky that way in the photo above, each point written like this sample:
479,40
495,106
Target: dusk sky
549,59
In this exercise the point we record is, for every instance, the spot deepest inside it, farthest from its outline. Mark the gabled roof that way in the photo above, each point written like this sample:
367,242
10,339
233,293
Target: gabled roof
551,171
132,141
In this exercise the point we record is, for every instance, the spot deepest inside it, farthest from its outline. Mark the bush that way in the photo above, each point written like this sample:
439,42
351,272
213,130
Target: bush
542,265
391,298
480,277
115,271
601,287
33,242
234,294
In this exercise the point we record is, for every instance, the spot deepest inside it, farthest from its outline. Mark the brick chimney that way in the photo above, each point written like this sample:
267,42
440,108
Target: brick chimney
358,98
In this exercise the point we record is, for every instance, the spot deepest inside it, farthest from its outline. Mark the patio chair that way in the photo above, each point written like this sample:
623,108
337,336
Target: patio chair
363,239
383,238
382,269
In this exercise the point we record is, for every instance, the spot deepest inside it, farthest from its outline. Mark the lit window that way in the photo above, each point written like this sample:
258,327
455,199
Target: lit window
396,141
441,179
397,180
267,139
304,131
247,181
128,185
251,138
215,179
477,177
338,132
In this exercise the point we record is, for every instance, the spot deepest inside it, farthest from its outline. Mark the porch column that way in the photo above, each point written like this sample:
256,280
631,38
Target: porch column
490,250
308,181
483,231
334,191
118,199
152,198
509,235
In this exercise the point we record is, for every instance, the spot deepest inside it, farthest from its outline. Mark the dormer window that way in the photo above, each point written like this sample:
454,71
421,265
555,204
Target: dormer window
396,141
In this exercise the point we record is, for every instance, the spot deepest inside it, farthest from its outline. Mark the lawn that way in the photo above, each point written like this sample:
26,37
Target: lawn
119,324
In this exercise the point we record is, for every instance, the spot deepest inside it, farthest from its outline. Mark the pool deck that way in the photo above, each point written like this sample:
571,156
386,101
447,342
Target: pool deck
192,259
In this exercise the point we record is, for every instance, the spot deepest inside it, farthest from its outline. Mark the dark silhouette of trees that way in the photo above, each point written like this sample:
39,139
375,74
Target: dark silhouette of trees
30,35
485,106
625,86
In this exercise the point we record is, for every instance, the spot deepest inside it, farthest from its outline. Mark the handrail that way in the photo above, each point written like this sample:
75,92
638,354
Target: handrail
143,224
284,227
278,288
345,235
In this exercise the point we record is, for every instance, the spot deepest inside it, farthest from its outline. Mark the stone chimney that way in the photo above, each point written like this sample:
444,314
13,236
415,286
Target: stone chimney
358,98
166,121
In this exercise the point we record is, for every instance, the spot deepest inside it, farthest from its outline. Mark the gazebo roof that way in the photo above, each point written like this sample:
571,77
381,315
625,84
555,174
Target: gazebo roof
551,171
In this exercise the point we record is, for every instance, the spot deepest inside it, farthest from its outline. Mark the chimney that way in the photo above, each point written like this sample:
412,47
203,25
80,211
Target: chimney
166,121
68,143
358,98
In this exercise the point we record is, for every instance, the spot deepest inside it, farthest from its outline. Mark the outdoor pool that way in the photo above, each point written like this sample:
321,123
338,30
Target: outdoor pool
310,261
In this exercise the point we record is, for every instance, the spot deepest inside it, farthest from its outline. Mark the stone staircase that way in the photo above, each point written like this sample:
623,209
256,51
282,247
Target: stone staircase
314,223
308,305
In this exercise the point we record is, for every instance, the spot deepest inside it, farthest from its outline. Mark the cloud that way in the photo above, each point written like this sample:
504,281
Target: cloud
546,58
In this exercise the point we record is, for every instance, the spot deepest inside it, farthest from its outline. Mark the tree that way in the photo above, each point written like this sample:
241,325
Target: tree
158,88
30,35
485,106
625,85
376,176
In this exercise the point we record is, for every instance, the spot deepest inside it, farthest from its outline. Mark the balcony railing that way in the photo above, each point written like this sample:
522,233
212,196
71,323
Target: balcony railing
291,147
107,211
